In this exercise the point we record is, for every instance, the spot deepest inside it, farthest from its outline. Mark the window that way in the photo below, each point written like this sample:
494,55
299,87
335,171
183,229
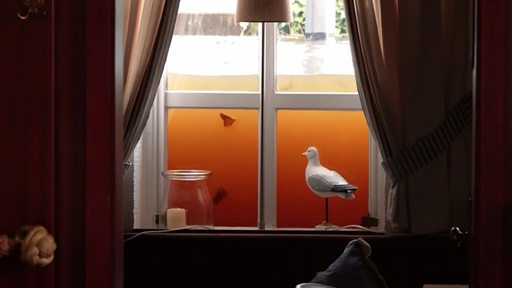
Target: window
213,73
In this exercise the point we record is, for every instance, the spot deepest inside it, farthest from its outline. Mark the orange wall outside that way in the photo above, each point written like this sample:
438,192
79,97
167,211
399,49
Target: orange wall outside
197,139
342,142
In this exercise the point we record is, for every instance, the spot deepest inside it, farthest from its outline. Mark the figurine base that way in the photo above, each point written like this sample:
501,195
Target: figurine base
326,226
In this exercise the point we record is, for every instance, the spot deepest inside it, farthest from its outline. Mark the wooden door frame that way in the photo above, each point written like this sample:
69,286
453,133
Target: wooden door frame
88,193
104,82
492,201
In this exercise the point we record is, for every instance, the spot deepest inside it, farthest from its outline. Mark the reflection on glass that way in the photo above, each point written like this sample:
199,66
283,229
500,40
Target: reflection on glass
313,52
209,49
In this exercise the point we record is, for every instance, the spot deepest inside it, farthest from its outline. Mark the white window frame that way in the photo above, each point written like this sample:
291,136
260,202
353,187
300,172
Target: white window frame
154,154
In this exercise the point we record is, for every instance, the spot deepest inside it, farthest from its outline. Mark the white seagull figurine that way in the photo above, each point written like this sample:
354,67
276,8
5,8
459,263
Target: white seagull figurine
325,182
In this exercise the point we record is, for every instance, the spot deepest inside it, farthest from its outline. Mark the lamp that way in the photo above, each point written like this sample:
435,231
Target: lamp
262,11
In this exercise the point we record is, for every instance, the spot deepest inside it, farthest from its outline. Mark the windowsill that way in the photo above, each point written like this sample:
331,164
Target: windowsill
253,232
203,257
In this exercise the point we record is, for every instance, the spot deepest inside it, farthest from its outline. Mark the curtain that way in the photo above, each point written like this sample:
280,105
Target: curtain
148,33
413,63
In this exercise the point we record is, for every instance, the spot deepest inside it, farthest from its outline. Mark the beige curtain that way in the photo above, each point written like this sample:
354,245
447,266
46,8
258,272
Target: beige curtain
148,30
413,61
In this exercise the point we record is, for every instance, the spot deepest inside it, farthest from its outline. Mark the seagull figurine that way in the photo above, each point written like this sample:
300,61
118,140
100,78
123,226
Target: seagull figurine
325,182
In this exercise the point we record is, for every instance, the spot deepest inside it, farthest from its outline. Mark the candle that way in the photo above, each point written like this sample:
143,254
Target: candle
176,218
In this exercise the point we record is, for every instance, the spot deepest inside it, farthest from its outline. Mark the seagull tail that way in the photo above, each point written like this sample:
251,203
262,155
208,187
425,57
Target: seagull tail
346,188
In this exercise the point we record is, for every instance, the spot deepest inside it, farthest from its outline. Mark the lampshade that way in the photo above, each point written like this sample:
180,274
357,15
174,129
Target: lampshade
263,11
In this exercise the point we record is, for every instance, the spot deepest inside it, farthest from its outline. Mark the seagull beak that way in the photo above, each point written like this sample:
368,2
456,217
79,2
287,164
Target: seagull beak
304,153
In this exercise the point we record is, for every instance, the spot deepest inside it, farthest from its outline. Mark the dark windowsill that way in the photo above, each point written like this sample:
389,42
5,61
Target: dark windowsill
283,257
257,233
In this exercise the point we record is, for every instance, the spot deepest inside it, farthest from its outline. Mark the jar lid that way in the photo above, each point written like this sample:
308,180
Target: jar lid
190,174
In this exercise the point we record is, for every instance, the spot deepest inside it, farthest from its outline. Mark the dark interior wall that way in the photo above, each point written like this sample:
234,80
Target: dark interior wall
492,202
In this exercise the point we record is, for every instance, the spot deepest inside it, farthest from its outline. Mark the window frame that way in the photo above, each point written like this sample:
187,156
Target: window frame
153,151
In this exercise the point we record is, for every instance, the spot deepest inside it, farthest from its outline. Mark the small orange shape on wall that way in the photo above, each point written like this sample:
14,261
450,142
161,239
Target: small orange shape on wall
228,120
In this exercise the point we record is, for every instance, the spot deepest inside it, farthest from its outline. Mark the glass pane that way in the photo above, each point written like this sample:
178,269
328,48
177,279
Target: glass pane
341,138
313,51
225,145
210,51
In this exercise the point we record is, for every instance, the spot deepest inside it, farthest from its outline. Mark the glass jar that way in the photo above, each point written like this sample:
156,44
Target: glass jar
188,200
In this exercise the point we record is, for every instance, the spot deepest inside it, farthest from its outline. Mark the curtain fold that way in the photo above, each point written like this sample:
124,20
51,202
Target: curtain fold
149,26
413,63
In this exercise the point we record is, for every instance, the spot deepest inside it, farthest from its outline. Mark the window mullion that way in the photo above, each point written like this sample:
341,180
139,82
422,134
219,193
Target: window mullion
317,102
211,100
269,115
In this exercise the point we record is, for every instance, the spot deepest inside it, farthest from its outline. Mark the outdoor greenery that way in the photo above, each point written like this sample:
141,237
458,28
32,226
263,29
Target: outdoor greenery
297,28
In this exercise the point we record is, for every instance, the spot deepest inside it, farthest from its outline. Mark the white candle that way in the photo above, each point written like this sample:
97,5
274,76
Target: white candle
176,218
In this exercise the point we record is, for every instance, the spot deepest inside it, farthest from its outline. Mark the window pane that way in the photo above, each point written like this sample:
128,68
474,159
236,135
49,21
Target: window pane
209,52
313,52
199,139
212,53
341,138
